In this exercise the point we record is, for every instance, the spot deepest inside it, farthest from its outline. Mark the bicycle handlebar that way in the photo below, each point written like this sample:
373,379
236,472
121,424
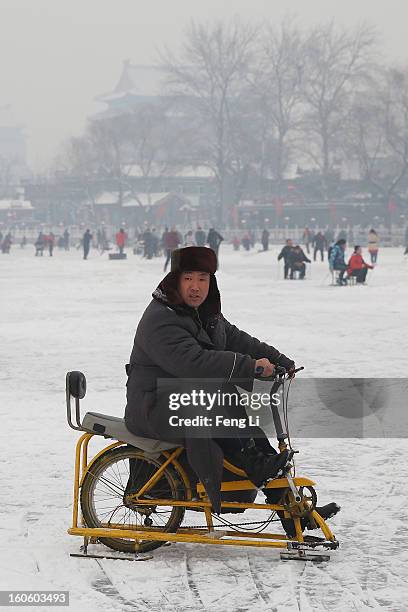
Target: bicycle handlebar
279,372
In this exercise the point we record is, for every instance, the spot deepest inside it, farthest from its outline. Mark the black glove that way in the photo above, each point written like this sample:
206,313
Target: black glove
285,362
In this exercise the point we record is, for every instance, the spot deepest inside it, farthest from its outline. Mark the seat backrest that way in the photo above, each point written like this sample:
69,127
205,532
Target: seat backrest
76,384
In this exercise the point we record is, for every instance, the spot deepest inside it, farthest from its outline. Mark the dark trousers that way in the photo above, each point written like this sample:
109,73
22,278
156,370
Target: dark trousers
287,268
318,250
86,250
373,255
360,275
301,268
168,257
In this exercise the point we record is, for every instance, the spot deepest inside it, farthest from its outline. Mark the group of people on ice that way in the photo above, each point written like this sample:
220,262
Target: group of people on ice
172,239
295,259
356,266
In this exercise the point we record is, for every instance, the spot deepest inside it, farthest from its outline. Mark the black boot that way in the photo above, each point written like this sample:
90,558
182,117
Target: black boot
326,512
261,467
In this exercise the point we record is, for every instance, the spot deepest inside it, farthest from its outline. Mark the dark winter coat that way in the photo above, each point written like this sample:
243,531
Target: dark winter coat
175,341
200,237
214,239
298,257
86,239
286,253
319,241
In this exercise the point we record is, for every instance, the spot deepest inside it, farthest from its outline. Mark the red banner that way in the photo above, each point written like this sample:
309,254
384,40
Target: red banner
279,207
333,211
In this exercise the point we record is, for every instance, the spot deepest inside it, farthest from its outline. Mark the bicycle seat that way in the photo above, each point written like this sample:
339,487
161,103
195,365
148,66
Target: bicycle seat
115,427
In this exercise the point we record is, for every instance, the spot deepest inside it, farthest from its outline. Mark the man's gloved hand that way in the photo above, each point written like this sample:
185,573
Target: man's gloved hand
286,363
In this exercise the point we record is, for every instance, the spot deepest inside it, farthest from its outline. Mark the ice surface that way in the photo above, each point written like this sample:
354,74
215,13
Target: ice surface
63,313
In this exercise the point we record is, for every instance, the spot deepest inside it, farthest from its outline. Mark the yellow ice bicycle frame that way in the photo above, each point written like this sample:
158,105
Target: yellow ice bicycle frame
163,464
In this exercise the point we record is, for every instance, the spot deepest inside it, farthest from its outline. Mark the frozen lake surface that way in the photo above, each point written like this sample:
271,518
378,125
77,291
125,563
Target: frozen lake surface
63,313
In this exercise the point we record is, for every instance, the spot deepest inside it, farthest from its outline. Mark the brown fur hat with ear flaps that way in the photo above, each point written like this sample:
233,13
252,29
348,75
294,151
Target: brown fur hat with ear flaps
194,259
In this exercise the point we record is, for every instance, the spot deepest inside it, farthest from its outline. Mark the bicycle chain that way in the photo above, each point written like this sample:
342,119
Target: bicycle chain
231,524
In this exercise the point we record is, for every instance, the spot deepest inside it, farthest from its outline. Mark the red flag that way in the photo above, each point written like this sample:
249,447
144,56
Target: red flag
392,207
279,207
333,211
160,211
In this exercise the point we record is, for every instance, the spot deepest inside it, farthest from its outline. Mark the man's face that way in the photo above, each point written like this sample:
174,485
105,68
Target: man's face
289,243
193,287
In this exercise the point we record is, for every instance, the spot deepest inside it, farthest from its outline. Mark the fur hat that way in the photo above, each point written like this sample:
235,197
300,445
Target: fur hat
194,259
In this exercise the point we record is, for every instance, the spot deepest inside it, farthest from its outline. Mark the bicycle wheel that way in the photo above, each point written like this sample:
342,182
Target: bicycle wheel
104,502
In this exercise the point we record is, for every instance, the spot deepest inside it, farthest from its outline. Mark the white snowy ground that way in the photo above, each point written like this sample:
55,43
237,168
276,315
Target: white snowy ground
64,313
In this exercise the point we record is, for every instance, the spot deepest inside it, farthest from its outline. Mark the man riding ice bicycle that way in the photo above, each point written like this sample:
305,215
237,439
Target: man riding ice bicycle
183,335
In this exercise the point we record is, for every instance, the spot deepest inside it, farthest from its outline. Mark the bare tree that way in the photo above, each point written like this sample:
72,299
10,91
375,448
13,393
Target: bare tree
378,132
209,72
336,62
276,85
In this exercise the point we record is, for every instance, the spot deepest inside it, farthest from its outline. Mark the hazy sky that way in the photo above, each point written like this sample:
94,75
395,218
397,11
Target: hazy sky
57,55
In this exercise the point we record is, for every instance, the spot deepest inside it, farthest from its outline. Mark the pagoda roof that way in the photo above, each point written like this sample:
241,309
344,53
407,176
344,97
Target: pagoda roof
139,80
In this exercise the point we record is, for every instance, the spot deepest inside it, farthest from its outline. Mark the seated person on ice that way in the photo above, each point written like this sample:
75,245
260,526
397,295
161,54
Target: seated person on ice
183,335
298,259
336,260
357,266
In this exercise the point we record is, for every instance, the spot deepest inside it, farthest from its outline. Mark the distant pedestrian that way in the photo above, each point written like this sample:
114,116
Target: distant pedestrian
155,243
23,242
214,240
373,245
171,241
265,240
200,237
236,243
286,255
6,244
307,238
246,242
147,244
50,243
86,242
39,245
320,244
120,237
66,240
188,239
